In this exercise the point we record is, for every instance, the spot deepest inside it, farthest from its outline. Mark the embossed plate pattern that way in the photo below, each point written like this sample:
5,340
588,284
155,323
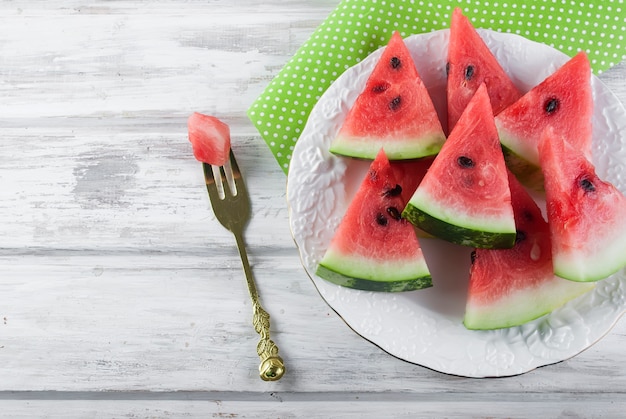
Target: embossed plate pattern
425,327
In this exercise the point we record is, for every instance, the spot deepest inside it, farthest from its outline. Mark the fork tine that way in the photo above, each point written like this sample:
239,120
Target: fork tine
218,175
211,179
237,178
229,167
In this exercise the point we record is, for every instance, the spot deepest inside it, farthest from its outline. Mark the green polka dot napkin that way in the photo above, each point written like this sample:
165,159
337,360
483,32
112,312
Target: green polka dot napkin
358,27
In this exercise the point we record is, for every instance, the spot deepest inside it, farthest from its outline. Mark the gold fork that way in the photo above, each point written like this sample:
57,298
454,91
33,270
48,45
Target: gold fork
231,204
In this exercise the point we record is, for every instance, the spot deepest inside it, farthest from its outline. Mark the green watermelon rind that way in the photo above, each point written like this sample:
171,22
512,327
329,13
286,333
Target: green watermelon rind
368,275
530,175
520,146
487,233
515,310
586,266
523,163
396,149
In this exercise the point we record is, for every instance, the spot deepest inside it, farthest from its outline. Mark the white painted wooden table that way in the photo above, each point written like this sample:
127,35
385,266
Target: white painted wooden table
121,295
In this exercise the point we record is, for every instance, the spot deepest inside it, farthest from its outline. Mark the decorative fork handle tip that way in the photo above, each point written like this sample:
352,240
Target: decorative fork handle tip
272,368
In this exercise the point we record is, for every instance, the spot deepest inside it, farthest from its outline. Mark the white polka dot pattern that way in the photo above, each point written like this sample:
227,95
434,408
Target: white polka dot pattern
358,27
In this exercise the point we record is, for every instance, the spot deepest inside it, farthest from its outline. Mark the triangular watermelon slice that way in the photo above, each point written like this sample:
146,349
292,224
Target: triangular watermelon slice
394,111
464,197
564,101
587,215
374,248
509,287
470,64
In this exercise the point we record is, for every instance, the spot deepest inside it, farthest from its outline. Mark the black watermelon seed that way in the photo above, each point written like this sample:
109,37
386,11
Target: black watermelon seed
551,105
469,72
473,256
395,191
587,184
465,162
381,219
520,236
394,213
379,88
447,69
528,216
395,62
395,103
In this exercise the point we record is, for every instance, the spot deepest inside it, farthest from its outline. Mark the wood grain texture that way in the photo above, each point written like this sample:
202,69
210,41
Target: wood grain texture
121,295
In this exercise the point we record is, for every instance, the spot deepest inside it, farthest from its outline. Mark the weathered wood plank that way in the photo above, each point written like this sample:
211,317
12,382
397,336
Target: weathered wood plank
356,406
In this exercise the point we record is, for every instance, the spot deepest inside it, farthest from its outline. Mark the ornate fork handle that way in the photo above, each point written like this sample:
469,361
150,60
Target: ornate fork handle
271,367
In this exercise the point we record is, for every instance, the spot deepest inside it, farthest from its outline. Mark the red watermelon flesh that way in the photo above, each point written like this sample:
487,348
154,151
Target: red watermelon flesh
470,64
210,139
464,197
410,173
374,248
393,111
564,101
509,287
587,215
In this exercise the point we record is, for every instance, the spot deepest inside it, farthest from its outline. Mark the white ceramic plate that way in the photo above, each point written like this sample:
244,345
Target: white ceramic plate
425,327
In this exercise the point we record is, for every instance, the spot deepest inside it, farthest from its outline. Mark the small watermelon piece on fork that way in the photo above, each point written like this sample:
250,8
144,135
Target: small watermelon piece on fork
210,139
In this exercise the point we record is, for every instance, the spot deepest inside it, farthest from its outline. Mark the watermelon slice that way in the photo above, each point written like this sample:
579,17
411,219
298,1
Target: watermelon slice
464,197
210,139
470,64
374,248
587,215
394,111
564,101
509,287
